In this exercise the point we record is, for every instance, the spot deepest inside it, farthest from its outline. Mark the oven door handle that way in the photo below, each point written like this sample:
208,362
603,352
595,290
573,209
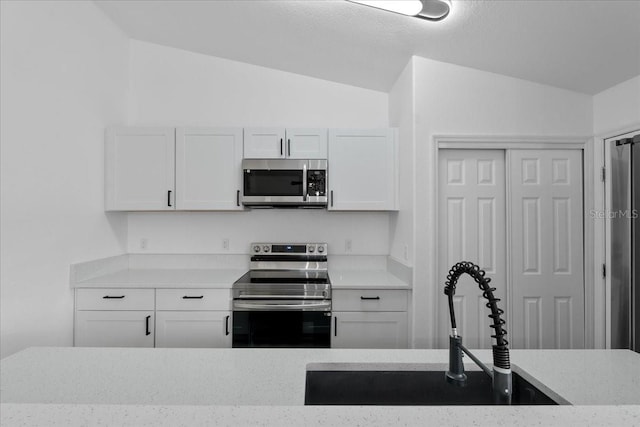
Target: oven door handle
257,306
287,297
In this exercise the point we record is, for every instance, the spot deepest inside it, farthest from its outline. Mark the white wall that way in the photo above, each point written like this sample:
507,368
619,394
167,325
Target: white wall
617,108
64,78
455,100
176,87
402,116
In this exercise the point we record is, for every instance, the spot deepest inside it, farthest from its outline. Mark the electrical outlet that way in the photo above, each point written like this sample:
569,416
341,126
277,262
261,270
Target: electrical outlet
347,245
225,244
144,243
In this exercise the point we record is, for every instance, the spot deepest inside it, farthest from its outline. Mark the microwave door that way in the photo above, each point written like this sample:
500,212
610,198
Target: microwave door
274,186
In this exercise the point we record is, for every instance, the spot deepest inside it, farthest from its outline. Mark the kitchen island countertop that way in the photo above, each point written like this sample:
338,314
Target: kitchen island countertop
67,386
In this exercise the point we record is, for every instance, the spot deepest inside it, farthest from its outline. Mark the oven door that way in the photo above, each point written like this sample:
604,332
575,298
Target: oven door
282,324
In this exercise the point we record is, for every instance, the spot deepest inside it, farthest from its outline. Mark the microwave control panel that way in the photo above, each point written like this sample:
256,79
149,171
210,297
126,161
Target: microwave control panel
317,182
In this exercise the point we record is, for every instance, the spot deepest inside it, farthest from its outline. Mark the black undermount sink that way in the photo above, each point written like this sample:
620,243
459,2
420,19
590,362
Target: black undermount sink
410,387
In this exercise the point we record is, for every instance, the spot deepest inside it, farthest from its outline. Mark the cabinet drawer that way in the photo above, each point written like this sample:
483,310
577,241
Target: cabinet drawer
369,300
115,299
193,299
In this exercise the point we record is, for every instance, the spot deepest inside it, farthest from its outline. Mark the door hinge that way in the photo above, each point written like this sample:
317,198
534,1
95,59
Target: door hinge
604,271
603,174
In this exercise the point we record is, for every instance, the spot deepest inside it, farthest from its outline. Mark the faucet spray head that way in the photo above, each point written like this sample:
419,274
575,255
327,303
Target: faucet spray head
455,375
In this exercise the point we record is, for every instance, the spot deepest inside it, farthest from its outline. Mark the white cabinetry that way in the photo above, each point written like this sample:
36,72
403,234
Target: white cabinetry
197,318
151,169
139,169
279,143
370,319
363,170
122,317
114,318
208,168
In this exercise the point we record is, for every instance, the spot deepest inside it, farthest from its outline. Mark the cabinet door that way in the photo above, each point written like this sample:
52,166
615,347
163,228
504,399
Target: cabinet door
307,143
197,329
361,329
264,143
114,329
362,170
139,169
208,168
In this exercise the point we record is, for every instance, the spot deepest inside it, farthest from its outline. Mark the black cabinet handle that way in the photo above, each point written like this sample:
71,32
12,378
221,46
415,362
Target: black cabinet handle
289,146
169,198
369,298
226,328
147,325
331,198
238,198
281,146
113,297
191,297
335,326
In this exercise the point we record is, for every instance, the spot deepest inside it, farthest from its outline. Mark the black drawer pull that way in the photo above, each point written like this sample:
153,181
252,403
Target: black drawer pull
335,326
237,197
190,297
280,146
147,325
369,298
113,297
226,328
169,198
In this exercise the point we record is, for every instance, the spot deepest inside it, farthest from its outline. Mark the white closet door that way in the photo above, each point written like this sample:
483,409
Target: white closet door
546,249
471,228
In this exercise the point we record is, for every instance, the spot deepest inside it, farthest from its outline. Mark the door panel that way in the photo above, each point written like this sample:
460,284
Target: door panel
471,228
139,169
546,249
208,168
193,329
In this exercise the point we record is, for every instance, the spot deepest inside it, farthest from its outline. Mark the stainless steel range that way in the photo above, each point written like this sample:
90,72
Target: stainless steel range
285,298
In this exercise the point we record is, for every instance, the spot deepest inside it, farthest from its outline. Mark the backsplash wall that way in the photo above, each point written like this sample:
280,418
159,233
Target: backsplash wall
204,232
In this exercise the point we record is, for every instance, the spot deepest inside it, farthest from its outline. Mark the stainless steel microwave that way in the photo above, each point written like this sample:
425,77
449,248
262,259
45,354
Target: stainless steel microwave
284,183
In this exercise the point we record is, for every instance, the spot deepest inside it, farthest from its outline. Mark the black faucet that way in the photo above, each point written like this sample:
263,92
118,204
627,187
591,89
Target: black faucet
501,374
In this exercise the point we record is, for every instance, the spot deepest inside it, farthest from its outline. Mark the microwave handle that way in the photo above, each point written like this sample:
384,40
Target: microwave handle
305,183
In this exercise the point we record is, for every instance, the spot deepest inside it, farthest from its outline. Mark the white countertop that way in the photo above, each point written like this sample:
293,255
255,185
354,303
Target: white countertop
224,278
58,383
365,279
164,278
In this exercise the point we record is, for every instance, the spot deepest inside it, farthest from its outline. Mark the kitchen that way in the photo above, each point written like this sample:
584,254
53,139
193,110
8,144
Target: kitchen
61,91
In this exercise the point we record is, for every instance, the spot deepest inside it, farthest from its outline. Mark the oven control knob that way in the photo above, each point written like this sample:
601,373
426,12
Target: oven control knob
266,248
320,249
256,248
311,249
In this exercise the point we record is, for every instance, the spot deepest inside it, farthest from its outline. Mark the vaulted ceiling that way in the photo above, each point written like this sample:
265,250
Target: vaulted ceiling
581,45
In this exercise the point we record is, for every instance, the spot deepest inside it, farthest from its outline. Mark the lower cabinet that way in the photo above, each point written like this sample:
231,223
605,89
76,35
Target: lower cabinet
193,329
370,319
114,328
125,317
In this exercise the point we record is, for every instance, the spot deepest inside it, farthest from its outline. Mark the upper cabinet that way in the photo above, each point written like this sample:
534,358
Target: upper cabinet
152,169
280,143
140,169
363,170
208,168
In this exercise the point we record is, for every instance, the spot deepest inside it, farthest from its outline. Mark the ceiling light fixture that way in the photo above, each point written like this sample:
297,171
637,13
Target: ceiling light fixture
432,10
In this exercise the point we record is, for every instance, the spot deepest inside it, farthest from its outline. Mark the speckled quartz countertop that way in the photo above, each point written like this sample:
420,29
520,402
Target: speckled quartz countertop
123,386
